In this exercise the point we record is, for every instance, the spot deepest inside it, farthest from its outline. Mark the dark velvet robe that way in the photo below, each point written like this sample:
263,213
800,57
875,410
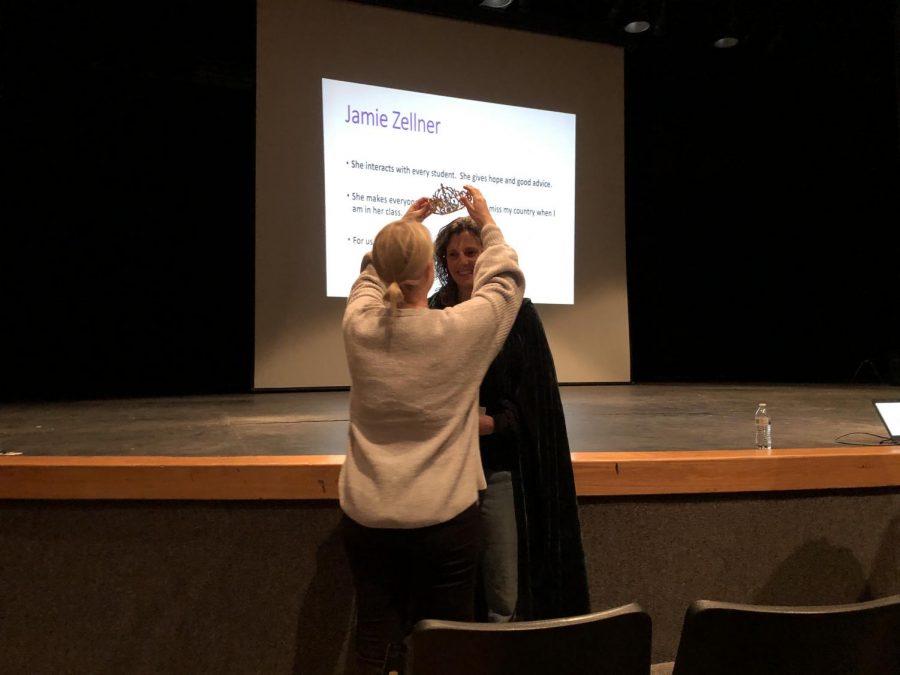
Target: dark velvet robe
521,393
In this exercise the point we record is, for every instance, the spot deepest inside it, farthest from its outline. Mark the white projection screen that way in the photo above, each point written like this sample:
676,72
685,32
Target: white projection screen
382,146
362,108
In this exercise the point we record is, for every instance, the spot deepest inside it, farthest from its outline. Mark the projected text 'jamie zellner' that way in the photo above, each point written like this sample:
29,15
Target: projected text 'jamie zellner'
395,120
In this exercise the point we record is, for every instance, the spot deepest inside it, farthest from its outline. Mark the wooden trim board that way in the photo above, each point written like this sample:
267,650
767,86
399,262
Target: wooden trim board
316,476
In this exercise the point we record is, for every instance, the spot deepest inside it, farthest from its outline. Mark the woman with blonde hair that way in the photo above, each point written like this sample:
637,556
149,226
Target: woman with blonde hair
409,485
401,251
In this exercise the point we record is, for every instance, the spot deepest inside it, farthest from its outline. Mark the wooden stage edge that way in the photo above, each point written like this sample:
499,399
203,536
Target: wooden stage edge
307,477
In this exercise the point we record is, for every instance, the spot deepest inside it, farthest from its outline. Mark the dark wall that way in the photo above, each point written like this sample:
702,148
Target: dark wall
127,201
761,201
264,587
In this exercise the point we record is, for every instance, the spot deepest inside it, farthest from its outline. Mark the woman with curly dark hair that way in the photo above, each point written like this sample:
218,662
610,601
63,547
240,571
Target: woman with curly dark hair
533,563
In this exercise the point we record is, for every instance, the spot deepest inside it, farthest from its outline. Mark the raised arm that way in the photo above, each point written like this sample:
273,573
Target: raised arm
498,280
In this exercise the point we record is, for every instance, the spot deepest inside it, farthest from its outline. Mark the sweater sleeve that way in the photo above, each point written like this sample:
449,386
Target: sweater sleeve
498,282
367,291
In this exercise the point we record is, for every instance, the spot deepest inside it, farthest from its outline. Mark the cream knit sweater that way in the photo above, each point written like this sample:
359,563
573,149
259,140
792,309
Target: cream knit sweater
413,457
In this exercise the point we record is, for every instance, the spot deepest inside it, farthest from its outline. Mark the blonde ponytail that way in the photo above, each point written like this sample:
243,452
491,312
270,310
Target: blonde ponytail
401,251
393,295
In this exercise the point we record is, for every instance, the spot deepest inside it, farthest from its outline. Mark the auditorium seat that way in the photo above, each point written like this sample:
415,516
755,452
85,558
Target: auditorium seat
720,638
613,642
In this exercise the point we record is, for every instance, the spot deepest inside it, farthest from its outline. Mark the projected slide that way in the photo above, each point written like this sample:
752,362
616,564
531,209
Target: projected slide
386,147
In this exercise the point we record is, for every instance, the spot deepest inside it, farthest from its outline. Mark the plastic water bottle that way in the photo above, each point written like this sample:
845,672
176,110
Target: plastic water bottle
763,428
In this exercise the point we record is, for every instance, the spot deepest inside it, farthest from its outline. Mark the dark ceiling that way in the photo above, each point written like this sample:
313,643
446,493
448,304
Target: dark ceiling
768,25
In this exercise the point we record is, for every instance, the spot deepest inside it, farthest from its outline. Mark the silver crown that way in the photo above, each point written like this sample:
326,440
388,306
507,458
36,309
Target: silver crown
446,200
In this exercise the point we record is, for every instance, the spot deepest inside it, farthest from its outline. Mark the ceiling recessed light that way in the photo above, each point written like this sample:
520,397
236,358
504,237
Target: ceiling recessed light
726,42
636,27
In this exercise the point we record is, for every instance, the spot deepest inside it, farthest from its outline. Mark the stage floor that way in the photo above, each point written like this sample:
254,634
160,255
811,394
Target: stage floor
605,418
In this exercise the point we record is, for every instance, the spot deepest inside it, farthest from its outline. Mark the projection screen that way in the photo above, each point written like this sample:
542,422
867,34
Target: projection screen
353,99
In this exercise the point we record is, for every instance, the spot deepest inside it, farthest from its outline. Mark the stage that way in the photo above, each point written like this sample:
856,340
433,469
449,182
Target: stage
625,439
157,518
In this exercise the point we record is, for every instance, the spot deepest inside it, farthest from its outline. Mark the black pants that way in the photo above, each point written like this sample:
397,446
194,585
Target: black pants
404,575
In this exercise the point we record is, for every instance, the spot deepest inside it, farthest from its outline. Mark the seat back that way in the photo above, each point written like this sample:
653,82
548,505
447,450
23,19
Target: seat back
720,638
614,642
